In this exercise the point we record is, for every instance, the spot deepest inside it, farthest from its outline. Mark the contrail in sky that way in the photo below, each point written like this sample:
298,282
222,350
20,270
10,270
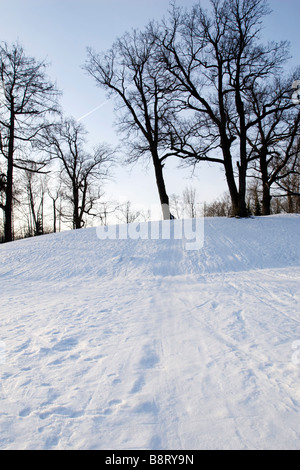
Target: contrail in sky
91,112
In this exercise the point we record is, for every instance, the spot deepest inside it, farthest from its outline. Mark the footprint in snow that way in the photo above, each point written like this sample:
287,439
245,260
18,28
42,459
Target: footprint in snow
112,406
61,411
138,385
147,407
25,412
149,359
65,344
114,402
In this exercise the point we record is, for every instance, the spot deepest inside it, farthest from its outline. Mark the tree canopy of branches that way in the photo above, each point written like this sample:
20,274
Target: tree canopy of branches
82,172
35,186
27,98
201,85
131,73
218,62
198,86
274,140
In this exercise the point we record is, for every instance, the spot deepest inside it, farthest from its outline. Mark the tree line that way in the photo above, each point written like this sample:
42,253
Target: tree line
199,86
36,139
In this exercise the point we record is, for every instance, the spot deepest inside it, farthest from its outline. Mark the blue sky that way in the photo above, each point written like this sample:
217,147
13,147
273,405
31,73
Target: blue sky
61,30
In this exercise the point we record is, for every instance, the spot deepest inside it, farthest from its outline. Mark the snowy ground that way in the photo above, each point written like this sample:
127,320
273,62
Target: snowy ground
140,344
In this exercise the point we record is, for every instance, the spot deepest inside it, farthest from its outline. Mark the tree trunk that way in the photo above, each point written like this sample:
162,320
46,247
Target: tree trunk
8,235
242,164
76,219
54,215
266,200
160,182
77,211
242,206
231,182
8,231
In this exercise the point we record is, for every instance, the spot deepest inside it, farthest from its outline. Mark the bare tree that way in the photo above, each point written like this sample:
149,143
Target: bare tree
254,198
221,207
176,205
27,98
131,72
55,193
35,190
274,139
216,58
190,202
107,208
82,173
287,185
128,215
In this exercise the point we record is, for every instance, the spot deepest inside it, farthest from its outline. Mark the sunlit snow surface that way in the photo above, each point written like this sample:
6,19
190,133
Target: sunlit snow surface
141,344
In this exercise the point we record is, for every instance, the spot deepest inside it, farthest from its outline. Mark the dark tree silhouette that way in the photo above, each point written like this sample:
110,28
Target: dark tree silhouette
216,57
130,71
82,173
27,98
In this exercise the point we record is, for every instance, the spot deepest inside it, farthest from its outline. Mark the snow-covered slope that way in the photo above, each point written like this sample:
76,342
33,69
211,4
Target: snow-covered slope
141,344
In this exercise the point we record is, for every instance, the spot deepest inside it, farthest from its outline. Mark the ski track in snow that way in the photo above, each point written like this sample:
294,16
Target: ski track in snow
139,344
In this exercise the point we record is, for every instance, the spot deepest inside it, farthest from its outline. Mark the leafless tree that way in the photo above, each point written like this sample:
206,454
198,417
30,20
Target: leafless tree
274,140
131,72
35,190
287,186
127,215
176,205
186,205
107,209
82,172
254,197
216,57
55,194
221,207
190,202
27,99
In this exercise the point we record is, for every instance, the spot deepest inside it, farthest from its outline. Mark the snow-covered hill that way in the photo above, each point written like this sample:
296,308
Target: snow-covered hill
142,344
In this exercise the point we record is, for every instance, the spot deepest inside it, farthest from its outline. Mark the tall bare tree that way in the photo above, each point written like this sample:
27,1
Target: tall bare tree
35,188
127,214
130,71
288,181
216,57
27,99
274,139
82,172
55,194
190,201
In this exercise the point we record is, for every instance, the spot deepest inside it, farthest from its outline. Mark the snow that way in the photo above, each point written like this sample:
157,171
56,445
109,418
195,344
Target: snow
143,344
